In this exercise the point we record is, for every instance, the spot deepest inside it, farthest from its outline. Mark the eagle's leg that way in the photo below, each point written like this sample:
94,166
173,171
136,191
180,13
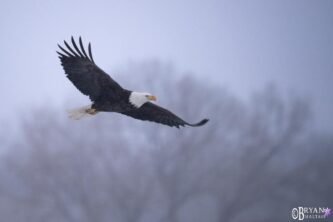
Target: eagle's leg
91,111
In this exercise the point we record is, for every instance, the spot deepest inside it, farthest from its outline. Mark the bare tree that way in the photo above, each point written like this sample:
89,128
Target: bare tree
243,165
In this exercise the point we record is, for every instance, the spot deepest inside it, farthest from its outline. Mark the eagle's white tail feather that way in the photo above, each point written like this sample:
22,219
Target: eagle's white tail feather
78,113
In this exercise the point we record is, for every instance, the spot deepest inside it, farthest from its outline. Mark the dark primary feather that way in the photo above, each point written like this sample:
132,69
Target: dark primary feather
155,113
82,71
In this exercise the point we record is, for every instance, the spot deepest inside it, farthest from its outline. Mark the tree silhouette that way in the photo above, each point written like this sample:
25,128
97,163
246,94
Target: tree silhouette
246,164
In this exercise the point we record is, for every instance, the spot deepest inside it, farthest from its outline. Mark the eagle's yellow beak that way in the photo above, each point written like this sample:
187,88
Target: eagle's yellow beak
152,98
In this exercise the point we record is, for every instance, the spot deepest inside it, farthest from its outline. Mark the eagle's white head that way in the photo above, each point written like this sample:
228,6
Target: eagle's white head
137,99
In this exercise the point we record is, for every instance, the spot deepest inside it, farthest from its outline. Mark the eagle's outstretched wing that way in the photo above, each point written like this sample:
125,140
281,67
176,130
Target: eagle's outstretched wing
82,71
155,113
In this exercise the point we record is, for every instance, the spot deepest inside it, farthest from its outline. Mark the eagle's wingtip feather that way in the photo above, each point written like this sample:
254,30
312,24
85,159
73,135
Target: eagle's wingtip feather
201,123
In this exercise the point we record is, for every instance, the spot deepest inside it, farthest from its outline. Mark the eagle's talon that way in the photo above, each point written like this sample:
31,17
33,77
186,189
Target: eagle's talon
91,111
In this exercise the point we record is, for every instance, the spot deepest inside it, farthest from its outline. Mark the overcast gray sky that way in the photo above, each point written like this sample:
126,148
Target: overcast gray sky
239,44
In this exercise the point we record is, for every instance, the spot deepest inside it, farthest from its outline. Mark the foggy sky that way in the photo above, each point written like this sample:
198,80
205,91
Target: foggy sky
241,45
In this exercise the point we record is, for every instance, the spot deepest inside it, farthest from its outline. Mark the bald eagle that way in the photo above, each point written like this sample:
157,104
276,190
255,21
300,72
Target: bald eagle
106,94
